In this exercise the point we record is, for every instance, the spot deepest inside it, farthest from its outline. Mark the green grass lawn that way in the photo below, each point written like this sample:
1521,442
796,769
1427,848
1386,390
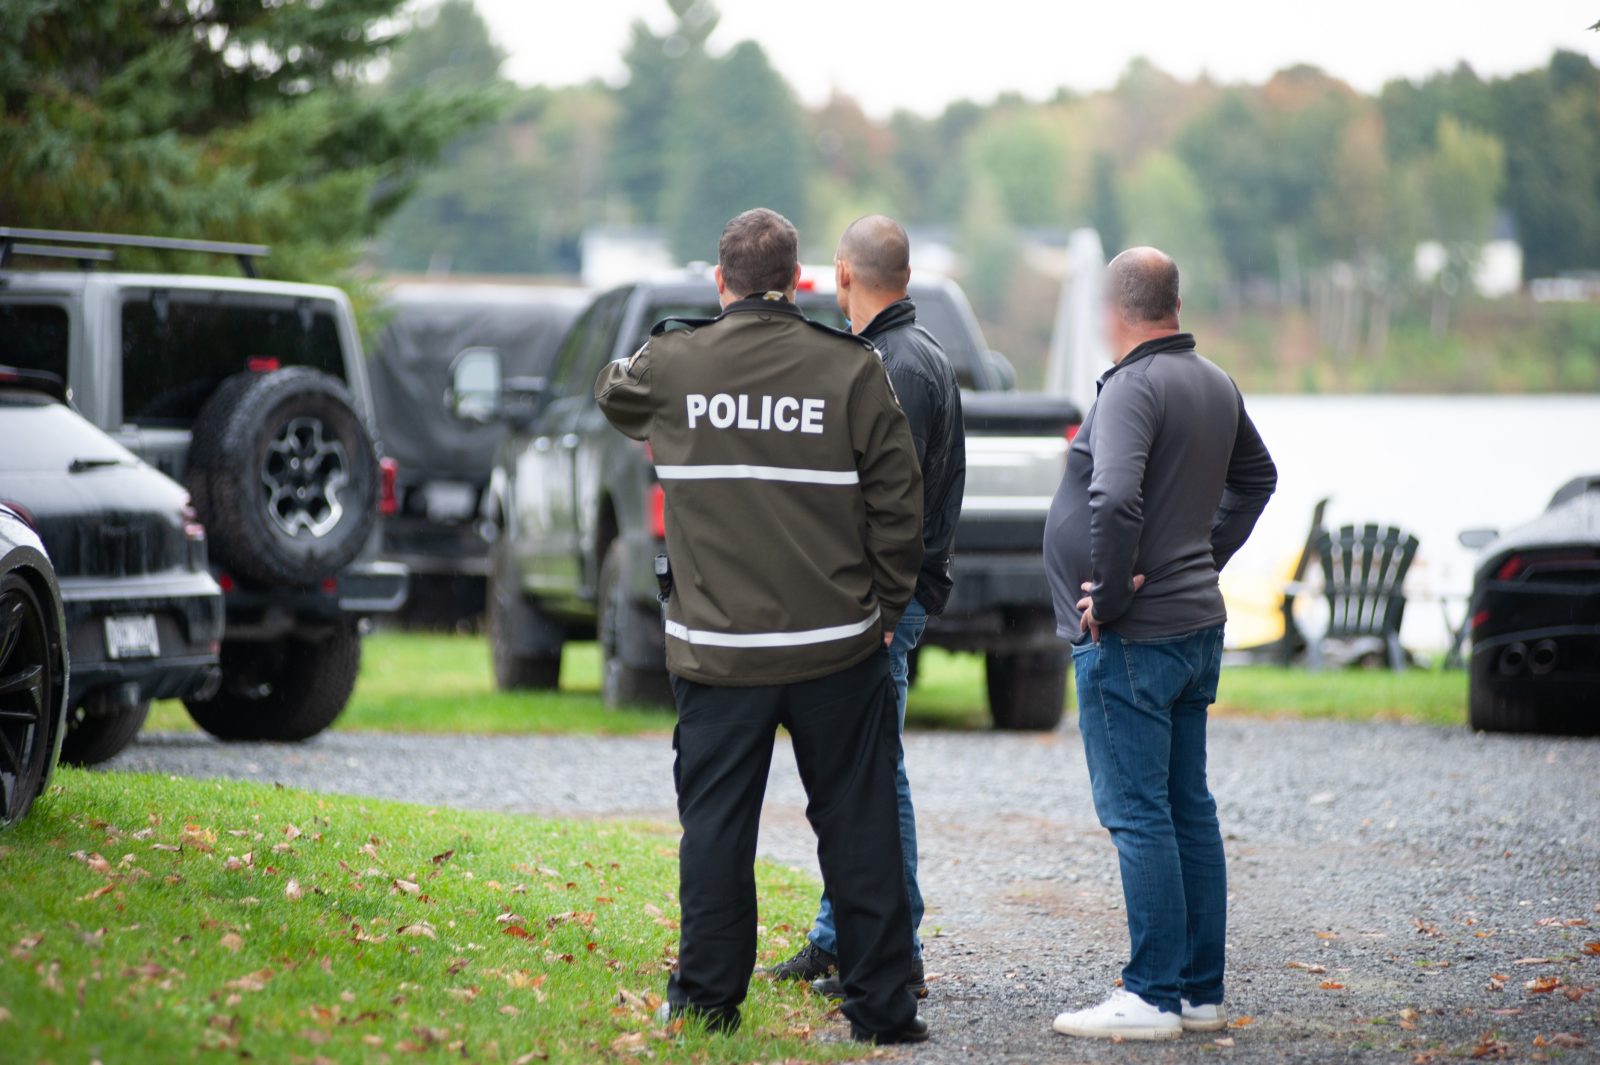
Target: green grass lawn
412,682
155,919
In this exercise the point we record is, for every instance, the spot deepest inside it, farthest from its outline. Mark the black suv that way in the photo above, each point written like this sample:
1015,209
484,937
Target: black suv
579,513
143,616
253,395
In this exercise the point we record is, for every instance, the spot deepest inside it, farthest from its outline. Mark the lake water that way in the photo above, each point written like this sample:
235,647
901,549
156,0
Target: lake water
1434,465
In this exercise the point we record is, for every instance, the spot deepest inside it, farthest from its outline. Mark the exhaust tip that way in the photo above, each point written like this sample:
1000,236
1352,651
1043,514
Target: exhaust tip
1544,656
1513,659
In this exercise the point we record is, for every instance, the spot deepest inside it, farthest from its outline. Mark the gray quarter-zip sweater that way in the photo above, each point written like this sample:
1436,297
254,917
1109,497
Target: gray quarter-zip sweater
1166,478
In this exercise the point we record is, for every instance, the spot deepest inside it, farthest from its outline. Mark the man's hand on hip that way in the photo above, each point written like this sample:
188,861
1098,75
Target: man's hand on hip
1086,605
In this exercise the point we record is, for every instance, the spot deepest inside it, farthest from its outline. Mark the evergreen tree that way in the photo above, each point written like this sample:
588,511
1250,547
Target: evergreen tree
231,119
659,67
739,142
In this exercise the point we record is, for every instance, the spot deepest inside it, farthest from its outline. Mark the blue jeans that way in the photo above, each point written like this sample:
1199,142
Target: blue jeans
906,635
1142,713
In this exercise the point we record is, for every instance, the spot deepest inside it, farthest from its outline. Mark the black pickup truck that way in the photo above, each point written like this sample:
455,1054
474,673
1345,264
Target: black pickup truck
578,511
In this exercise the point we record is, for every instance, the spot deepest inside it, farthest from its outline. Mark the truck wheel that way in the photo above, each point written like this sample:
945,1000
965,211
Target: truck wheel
524,645
1488,712
1027,691
285,690
28,690
99,730
284,476
621,627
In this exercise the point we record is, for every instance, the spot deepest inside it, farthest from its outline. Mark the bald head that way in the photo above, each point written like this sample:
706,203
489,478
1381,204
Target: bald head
878,253
1142,286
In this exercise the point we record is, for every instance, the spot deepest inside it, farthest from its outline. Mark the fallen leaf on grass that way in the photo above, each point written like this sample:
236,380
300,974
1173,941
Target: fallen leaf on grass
5,1015
255,981
1543,985
410,887
1308,967
201,839
232,942
1331,985
293,891
583,920
1497,981
421,928
1575,993
517,930
1242,1022
1592,948
104,889
291,832
440,859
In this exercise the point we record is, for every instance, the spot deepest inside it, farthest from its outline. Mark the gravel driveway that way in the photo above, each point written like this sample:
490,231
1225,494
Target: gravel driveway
1395,889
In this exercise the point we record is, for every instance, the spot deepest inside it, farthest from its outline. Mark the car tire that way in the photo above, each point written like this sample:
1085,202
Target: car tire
98,733
284,690
284,475
28,687
524,644
1028,690
621,626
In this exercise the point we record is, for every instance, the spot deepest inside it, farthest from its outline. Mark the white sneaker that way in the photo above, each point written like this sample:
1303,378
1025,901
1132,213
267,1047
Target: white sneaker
1208,1018
1124,1014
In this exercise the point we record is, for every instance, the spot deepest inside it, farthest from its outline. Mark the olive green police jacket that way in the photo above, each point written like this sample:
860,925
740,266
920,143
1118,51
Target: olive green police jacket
793,495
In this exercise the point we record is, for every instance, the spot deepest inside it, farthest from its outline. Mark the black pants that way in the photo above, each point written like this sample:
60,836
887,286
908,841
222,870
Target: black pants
845,742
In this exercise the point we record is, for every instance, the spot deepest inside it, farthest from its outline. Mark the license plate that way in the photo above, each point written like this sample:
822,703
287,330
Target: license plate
132,637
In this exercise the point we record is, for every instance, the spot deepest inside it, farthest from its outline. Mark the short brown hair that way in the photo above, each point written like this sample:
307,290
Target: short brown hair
758,252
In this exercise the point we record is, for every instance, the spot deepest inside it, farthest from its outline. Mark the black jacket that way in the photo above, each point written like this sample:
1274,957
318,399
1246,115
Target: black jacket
926,384
1166,478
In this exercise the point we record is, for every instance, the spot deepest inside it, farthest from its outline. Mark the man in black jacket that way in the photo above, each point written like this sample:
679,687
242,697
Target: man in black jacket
872,269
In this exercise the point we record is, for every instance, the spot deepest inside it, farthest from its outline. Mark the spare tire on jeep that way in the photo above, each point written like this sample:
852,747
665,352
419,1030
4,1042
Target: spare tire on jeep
285,476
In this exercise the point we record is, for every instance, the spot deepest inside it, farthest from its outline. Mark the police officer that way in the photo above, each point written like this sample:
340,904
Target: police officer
794,530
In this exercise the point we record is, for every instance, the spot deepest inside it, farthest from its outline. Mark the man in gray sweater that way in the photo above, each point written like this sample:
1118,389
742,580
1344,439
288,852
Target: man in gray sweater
1163,484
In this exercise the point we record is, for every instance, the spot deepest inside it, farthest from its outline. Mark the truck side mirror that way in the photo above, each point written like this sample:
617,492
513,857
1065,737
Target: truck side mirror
1004,373
474,392
1477,539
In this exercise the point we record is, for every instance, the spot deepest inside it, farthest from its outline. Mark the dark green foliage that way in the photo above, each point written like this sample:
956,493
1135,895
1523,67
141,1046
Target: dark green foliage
739,141
659,68
228,119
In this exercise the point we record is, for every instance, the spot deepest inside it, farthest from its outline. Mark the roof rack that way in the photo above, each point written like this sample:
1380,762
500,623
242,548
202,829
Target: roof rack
12,238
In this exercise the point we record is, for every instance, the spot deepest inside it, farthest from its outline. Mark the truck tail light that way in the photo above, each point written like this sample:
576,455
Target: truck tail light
194,534
262,365
655,509
388,501
1479,620
1509,568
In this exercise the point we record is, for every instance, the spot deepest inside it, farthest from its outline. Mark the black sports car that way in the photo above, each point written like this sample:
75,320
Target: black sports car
33,667
1535,619
144,617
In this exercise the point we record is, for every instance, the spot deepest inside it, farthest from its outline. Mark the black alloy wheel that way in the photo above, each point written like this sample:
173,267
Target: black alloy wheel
26,683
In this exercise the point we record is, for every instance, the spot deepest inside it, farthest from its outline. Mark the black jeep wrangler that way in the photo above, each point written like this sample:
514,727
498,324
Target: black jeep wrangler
253,395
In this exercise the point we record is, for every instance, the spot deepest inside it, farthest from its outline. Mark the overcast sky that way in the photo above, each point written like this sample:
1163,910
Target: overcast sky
896,53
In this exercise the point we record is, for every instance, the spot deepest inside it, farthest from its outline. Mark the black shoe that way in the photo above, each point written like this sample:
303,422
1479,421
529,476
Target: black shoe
832,987
722,1022
810,963
915,1032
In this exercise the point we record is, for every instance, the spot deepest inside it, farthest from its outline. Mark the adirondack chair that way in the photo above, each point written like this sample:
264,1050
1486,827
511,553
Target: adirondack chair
1363,573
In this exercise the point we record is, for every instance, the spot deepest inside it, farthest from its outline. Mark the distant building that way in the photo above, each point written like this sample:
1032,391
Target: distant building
616,255
1499,269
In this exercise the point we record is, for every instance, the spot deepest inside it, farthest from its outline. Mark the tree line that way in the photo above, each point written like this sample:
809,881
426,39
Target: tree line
1256,186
